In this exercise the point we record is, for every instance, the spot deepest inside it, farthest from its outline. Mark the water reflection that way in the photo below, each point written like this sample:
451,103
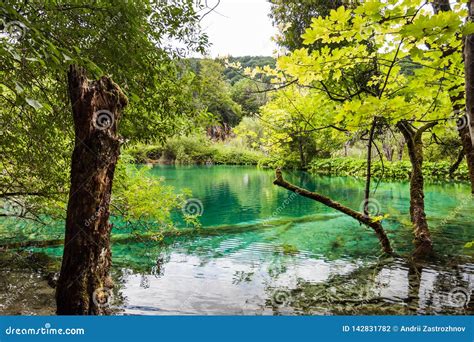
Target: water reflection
257,256
258,279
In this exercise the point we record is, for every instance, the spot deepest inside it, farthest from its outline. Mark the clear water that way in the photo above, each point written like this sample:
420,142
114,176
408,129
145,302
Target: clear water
265,251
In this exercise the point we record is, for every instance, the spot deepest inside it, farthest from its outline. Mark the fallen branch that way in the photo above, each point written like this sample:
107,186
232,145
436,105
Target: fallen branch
366,220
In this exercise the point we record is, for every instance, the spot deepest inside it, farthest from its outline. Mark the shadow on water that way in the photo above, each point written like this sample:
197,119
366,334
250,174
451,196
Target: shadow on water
257,255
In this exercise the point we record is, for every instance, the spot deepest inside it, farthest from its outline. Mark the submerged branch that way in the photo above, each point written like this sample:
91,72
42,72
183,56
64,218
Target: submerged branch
370,222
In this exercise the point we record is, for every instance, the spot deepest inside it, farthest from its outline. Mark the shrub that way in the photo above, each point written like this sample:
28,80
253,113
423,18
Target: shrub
195,150
400,170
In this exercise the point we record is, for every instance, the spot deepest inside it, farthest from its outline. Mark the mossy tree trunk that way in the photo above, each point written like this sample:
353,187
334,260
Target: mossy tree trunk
466,130
84,281
423,242
466,122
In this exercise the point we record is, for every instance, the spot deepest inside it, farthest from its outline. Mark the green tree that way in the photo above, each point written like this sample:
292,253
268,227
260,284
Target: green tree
380,37
250,95
41,38
293,17
215,95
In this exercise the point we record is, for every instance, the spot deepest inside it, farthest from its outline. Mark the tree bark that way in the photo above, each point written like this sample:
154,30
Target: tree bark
401,147
362,218
84,281
468,149
369,167
465,128
469,75
464,135
423,242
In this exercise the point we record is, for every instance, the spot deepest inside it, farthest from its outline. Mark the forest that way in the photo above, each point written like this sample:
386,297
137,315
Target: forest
141,175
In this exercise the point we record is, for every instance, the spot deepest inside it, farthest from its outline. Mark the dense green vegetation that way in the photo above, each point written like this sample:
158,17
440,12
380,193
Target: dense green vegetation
194,150
376,90
399,170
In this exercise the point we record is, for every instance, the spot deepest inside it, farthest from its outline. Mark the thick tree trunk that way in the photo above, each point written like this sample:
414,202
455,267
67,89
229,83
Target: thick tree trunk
468,149
469,74
84,285
466,124
362,218
401,147
464,135
423,243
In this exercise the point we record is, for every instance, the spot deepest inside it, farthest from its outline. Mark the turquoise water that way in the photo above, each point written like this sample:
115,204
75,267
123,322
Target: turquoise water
282,254
264,251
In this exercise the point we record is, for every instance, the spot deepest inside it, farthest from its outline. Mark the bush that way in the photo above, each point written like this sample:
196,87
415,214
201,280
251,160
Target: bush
399,170
195,150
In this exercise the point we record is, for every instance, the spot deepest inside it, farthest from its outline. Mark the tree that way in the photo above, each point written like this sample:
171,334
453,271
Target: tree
214,94
250,95
293,17
358,39
97,109
467,125
459,98
51,35
39,40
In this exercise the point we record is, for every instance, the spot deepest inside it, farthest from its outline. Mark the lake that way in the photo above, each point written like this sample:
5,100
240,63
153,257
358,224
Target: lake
265,251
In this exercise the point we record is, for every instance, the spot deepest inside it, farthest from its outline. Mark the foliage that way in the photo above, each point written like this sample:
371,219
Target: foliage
40,39
195,149
295,122
233,75
399,170
250,95
250,132
293,17
149,209
389,61
214,94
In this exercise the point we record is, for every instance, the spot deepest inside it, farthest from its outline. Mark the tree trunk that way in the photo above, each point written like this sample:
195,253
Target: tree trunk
423,243
467,135
362,218
369,168
388,151
464,135
468,149
84,285
469,74
466,123
401,147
